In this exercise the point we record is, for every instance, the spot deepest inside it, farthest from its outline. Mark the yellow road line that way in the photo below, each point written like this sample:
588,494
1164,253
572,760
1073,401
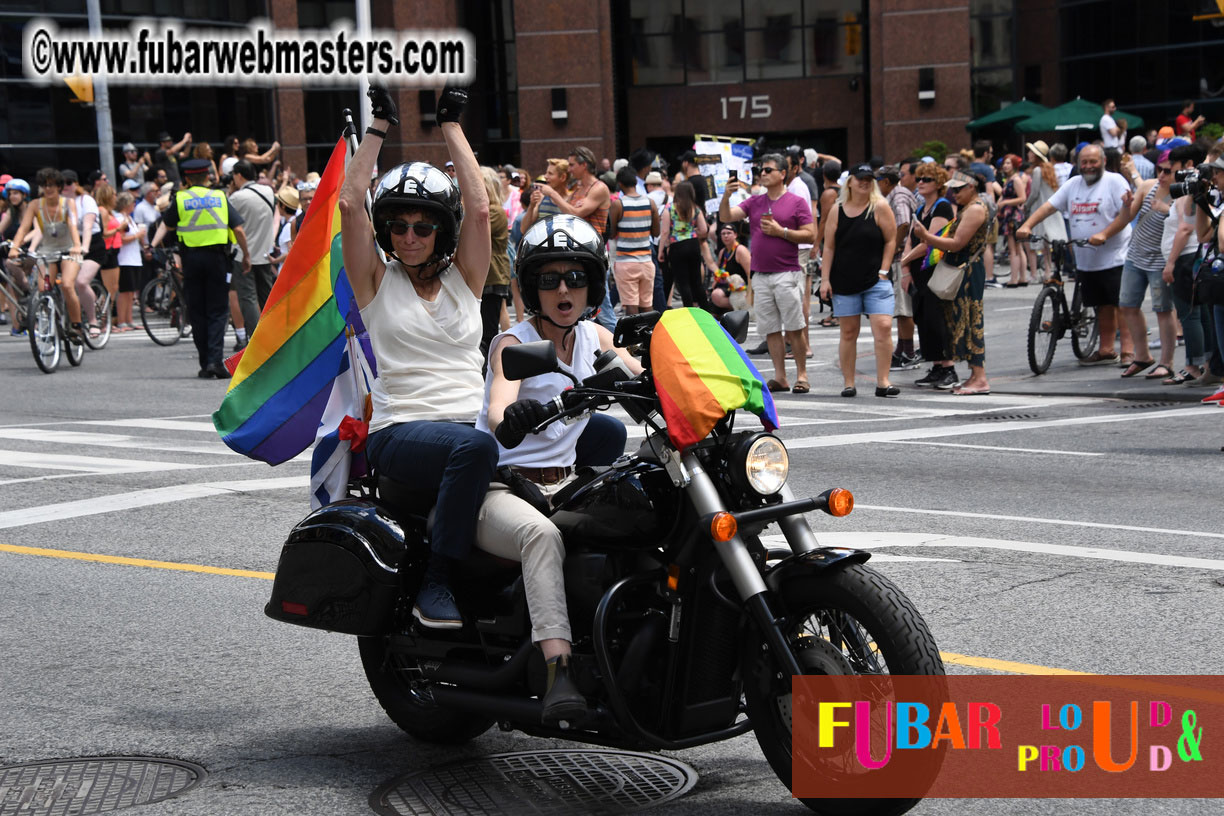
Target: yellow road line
135,562
1004,665
948,657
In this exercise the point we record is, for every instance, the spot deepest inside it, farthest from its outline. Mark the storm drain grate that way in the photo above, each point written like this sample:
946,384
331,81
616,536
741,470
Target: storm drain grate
538,782
1150,404
79,787
999,417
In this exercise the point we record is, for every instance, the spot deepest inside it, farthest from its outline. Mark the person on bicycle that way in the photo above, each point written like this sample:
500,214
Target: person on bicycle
1097,204
562,270
422,309
56,218
17,197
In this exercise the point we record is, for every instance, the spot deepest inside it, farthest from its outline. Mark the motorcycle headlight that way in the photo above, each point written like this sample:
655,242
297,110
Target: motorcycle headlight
766,465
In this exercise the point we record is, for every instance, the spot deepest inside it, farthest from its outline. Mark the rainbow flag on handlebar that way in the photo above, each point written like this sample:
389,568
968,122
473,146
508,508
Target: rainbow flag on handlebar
701,375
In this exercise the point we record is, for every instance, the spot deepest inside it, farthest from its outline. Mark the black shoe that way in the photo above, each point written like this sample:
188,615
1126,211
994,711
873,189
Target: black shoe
887,391
76,334
849,391
239,345
903,362
763,348
563,701
931,377
215,371
947,379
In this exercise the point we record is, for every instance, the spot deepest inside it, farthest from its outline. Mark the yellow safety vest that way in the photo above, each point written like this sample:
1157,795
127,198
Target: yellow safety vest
203,217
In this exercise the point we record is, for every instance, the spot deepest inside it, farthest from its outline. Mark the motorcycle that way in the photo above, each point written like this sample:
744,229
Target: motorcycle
687,627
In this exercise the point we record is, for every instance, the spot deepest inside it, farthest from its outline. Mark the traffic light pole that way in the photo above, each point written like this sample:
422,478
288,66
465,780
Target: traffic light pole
106,136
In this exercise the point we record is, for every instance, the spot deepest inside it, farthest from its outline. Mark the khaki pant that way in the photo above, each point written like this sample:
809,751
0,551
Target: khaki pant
511,528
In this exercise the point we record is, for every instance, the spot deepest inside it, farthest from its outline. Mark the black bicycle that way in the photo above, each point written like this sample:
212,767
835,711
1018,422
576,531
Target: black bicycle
1052,318
163,305
47,318
13,290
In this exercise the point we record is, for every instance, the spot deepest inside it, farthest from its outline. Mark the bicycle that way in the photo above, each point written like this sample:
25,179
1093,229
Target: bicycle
163,304
47,317
1052,318
13,292
102,316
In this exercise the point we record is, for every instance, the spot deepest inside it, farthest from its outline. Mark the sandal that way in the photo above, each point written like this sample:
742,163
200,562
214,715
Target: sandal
1135,367
774,385
1159,372
828,323
801,387
1178,378
95,331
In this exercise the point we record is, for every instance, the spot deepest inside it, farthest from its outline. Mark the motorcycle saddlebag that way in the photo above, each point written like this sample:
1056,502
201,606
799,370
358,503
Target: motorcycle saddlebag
340,569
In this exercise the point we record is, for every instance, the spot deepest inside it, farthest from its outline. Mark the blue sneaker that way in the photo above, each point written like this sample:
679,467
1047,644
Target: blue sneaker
16,332
435,603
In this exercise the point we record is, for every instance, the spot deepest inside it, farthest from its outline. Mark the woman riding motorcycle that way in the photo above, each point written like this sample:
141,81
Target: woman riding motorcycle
422,310
562,269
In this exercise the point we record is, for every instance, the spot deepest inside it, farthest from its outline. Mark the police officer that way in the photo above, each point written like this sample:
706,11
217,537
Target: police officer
203,219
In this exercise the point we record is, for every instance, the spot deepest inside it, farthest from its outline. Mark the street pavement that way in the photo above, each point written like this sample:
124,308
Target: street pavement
1069,521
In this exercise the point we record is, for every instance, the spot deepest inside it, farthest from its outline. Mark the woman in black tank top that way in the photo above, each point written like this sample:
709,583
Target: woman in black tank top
861,233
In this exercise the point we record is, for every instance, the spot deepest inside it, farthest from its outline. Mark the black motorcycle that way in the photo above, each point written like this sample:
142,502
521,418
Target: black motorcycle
687,628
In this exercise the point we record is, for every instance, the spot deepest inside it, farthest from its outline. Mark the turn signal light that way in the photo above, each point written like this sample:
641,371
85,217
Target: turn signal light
723,527
673,577
291,608
841,502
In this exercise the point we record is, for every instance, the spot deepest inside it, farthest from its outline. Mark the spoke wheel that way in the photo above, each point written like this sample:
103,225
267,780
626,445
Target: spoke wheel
852,621
161,311
42,326
1043,331
101,316
1085,333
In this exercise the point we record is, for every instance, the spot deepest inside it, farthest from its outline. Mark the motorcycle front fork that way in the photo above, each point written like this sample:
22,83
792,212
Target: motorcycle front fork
744,572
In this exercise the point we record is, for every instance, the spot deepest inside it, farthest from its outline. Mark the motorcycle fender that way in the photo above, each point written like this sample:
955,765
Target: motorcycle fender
812,563
340,569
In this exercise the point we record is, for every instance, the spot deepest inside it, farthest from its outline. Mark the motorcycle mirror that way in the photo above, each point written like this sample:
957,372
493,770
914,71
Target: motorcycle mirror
529,359
736,324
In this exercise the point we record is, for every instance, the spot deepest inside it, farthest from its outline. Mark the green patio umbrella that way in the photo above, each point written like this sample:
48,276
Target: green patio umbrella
1078,114
1011,113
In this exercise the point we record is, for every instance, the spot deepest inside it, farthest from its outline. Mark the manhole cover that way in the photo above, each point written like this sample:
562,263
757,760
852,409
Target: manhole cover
79,787
538,782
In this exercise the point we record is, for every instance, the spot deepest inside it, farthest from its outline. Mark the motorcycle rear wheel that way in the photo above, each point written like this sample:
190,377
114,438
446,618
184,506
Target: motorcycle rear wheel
870,609
395,681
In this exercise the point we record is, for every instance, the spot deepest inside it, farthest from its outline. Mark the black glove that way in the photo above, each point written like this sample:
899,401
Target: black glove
451,104
520,419
382,105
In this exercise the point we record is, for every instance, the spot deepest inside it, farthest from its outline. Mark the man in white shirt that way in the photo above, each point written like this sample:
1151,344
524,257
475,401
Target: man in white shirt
1096,204
1112,135
249,291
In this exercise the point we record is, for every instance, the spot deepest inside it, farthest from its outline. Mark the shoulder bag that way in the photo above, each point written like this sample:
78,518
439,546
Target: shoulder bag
947,278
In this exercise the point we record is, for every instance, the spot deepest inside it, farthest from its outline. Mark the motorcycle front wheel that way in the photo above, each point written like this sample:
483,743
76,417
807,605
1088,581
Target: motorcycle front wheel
397,682
849,621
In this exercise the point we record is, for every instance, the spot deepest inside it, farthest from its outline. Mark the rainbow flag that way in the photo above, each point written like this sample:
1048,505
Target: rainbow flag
934,256
701,375
285,376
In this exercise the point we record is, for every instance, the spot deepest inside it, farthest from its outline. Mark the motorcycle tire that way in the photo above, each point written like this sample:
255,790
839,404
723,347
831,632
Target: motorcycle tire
888,620
412,708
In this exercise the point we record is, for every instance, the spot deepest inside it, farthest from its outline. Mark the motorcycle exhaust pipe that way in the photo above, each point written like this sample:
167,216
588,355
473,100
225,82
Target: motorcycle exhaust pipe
488,678
496,706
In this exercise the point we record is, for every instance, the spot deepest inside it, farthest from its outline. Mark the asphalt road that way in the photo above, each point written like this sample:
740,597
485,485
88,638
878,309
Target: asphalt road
1069,521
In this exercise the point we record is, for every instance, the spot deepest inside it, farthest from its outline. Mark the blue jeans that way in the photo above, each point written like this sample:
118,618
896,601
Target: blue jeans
602,441
606,317
453,459
1217,362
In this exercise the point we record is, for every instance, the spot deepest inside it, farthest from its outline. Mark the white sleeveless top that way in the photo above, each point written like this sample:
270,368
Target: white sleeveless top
428,352
556,445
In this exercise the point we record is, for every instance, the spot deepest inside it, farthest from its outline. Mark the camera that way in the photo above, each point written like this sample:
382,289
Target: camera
1189,182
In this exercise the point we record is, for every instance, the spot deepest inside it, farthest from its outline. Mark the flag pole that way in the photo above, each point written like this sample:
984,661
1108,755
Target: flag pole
354,347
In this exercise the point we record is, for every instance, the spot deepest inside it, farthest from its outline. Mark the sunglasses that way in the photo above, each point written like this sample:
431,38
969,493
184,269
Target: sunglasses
574,279
766,170
422,229
926,178
1163,170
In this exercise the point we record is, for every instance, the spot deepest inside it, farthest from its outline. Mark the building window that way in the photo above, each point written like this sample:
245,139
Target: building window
993,68
677,42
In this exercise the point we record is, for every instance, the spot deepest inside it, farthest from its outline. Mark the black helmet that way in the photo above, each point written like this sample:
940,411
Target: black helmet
562,238
420,186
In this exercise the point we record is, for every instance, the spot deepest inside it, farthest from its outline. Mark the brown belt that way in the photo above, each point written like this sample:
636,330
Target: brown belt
544,476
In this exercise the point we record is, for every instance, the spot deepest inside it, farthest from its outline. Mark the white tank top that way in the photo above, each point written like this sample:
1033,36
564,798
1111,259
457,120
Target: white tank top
556,445
1170,230
428,352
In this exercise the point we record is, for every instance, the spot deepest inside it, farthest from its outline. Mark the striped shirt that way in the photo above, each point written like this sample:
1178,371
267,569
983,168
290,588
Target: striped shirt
1144,251
597,219
633,229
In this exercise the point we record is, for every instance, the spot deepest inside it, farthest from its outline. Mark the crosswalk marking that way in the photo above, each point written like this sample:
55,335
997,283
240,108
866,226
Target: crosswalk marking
55,437
152,423
90,464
